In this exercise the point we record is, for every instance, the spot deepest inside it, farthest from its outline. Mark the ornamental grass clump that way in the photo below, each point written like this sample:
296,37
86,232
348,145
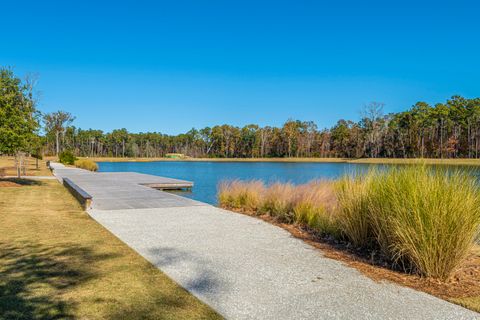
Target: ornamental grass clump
278,201
245,195
353,215
310,204
315,206
86,164
427,219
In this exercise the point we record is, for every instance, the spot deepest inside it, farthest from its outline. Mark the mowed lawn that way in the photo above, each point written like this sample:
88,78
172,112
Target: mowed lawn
56,262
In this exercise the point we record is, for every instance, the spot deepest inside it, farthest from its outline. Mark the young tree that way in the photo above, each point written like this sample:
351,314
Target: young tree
18,115
56,122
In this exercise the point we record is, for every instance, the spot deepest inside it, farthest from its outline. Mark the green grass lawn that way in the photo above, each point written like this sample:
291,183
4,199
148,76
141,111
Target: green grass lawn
56,262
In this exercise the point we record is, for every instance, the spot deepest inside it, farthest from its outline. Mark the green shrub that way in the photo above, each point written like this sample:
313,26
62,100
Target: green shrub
86,164
67,157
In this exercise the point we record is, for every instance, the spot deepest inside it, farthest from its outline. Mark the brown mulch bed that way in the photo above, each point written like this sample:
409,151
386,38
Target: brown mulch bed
464,283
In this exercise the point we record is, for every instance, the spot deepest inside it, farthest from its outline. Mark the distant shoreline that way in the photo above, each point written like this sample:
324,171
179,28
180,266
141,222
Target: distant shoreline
465,162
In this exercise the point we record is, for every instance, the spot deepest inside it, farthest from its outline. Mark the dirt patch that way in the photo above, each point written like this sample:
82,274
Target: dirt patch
464,283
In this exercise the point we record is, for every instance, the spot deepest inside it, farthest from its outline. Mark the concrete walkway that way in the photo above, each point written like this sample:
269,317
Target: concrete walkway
246,268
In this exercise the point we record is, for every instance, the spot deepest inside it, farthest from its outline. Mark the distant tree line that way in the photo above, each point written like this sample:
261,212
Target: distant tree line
443,130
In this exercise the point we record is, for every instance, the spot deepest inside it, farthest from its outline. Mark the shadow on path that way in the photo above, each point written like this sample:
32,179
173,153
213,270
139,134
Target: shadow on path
200,279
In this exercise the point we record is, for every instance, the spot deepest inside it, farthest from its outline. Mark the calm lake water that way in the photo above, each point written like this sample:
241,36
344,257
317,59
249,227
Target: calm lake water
207,175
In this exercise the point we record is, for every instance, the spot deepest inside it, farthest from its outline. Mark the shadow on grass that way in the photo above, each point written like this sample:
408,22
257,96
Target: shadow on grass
34,276
22,182
150,309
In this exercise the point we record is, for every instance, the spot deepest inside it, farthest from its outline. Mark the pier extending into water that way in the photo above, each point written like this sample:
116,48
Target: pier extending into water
123,190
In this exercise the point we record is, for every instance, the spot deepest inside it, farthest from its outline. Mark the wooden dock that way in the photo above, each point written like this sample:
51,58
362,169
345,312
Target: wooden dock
125,190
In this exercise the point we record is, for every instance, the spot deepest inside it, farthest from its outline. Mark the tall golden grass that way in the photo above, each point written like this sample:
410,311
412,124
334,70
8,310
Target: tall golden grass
309,204
86,164
315,206
424,219
278,201
237,194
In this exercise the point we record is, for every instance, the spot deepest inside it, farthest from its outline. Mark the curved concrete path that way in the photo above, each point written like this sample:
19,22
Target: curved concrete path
248,269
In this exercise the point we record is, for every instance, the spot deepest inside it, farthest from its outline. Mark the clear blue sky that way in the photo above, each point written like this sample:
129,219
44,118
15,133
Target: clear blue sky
169,66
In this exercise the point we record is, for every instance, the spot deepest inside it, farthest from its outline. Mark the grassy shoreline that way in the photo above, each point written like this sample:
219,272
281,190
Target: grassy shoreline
429,161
